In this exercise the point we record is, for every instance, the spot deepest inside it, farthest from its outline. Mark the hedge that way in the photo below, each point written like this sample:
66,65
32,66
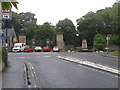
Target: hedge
4,55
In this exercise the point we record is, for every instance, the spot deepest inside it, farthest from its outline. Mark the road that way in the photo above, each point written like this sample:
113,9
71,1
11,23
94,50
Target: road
50,72
94,57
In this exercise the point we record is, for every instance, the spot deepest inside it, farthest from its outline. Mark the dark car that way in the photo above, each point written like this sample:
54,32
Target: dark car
46,49
28,49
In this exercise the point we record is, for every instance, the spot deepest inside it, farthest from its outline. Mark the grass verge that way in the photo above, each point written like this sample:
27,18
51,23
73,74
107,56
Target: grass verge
116,53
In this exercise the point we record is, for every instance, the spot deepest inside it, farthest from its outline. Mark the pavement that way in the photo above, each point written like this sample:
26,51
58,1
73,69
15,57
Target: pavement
0,80
13,73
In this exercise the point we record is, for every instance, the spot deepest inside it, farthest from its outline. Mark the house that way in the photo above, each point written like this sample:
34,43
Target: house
11,37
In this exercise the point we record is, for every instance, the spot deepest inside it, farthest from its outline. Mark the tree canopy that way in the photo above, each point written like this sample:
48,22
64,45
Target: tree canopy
104,21
45,32
68,30
24,21
7,4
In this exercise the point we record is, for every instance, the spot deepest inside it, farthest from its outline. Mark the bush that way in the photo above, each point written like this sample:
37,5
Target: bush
4,55
78,49
100,47
63,50
99,41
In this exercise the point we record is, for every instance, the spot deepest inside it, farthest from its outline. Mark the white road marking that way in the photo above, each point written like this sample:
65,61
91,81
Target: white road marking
91,64
22,57
116,76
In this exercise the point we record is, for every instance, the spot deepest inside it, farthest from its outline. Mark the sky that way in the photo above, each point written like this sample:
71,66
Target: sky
54,10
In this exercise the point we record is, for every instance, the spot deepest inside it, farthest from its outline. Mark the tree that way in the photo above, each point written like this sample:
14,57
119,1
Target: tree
68,29
22,21
45,32
29,30
88,27
27,17
104,21
114,40
7,4
99,41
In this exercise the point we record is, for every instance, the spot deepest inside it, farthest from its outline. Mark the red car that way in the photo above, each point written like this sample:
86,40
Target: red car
28,50
46,49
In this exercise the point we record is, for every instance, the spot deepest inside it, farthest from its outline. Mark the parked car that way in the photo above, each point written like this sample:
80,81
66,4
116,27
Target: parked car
18,47
37,49
46,49
55,49
28,49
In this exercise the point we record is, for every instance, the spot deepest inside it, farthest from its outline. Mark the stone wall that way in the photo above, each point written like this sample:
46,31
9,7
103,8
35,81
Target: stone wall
69,47
114,47
111,48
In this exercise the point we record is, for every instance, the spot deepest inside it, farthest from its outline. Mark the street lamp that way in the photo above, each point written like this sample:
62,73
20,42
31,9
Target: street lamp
77,34
33,42
22,23
47,42
108,38
6,26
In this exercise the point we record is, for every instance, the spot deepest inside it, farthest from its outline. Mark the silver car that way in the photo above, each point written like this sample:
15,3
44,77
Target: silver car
37,49
55,49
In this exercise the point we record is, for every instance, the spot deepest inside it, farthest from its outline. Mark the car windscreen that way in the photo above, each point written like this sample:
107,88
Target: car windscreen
16,46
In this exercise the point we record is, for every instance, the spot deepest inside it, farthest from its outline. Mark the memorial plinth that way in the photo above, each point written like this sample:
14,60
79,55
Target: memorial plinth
84,45
60,41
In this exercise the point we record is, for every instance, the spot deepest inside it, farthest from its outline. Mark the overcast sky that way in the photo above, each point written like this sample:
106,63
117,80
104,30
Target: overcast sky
54,10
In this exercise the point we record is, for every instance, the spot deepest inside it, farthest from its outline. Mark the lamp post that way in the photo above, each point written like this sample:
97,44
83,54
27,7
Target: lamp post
47,42
108,38
6,15
33,43
6,24
78,34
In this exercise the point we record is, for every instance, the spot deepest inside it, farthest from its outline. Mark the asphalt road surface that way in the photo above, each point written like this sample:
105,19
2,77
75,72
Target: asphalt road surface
50,72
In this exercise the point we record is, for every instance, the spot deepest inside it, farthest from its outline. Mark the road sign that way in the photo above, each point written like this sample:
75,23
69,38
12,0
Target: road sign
1,37
6,11
107,38
6,14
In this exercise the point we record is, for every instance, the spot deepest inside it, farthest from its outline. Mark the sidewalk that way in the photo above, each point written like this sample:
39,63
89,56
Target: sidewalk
0,80
12,76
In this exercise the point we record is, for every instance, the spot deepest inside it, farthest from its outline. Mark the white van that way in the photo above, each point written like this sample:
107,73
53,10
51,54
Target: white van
18,47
